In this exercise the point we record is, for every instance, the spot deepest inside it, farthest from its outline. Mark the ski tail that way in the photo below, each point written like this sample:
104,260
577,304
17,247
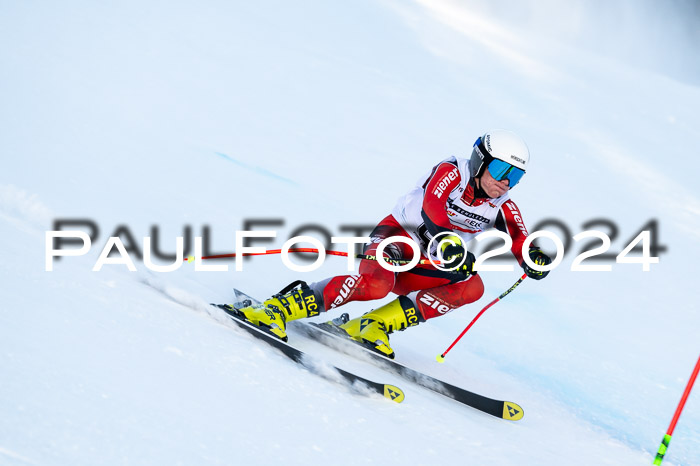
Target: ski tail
388,391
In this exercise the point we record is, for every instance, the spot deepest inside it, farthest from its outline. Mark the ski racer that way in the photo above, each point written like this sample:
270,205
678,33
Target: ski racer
458,199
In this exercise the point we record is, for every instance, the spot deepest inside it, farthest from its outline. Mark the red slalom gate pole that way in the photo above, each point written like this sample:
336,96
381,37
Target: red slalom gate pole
329,252
441,357
667,438
265,253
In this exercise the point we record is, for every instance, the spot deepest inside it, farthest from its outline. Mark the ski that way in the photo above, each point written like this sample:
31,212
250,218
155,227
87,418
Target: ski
325,370
502,409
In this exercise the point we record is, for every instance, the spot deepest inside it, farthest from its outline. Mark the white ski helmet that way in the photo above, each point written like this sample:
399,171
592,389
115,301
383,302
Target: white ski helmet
504,153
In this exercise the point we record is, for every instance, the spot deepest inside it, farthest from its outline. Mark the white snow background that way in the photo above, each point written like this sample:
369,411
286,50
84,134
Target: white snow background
210,113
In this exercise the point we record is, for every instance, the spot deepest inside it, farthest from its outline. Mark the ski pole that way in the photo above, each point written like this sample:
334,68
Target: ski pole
441,357
667,438
329,252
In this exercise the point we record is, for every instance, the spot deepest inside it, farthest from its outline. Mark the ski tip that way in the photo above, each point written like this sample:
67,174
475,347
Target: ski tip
394,393
512,411
440,358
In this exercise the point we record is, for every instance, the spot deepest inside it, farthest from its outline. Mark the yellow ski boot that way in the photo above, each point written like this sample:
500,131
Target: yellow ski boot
294,302
373,328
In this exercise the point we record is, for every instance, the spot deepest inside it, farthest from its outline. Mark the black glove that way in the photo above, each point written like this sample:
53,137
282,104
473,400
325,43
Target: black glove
467,268
539,258
452,254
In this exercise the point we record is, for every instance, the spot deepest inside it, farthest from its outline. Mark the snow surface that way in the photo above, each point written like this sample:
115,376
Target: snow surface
208,114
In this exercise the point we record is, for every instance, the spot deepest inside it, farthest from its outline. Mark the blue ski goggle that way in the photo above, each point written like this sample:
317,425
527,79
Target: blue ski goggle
501,170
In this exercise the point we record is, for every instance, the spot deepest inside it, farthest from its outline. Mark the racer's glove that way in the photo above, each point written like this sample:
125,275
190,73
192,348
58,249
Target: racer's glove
453,252
539,258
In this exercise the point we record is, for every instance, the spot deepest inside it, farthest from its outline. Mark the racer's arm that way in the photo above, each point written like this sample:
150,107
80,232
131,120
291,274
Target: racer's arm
510,221
444,179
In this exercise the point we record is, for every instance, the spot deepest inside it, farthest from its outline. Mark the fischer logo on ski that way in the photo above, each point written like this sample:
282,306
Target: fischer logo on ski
391,392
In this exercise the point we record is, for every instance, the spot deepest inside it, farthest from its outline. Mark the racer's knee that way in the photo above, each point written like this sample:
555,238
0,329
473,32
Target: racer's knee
379,287
438,301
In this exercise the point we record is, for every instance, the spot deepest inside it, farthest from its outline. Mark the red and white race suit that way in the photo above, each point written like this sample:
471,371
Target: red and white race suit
444,200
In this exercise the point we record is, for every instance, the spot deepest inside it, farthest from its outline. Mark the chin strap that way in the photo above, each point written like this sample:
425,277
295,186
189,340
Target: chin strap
479,193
